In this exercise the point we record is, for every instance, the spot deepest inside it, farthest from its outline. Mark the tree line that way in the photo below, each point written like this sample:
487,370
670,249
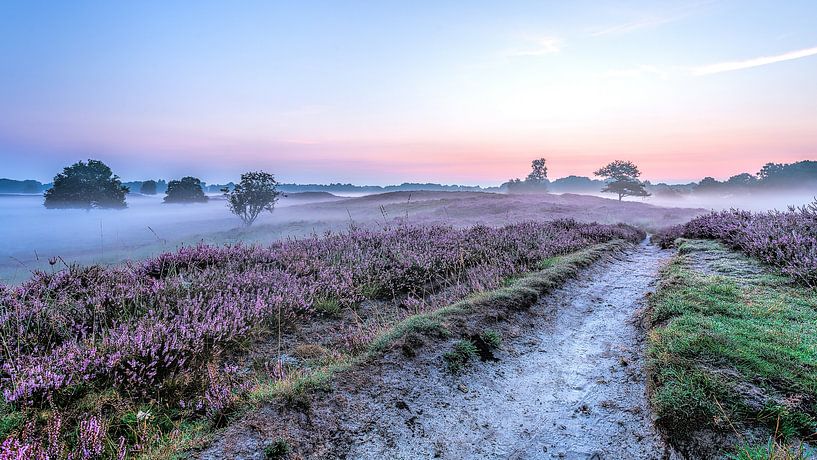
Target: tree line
92,184
619,177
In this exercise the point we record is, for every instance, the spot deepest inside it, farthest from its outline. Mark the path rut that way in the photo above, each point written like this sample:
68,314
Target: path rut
569,383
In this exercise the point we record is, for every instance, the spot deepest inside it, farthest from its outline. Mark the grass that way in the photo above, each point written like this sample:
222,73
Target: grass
460,354
736,349
278,449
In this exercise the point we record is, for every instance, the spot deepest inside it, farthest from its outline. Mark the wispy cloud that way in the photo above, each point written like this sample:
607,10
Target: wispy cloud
749,63
539,47
652,20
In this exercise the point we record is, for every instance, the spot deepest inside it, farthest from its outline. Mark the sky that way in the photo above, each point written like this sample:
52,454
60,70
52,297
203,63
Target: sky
386,92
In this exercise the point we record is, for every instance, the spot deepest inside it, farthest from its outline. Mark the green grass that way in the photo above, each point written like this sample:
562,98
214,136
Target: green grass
277,450
491,338
460,355
736,348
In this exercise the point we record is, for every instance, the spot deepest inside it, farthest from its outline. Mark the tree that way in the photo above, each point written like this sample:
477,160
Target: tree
86,185
186,190
742,180
622,178
148,187
708,184
257,192
539,171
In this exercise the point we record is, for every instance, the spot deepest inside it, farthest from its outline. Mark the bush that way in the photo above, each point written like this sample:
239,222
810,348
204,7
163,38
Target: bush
786,240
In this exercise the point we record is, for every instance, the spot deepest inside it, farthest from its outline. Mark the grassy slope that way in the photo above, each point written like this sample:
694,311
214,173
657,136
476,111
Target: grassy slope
733,348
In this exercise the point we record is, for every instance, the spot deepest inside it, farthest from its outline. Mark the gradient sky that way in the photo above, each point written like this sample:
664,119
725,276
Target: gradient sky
385,92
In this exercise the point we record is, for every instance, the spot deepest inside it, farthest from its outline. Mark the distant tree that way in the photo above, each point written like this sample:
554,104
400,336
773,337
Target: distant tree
257,192
622,179
86,185
148,187
536,182
186,190
539,171
792,175
770,171
741,181
708,184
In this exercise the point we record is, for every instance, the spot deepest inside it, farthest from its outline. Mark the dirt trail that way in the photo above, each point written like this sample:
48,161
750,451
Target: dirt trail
569,383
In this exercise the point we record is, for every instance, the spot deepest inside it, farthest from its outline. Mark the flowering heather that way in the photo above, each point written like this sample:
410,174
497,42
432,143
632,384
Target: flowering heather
786,240
158,331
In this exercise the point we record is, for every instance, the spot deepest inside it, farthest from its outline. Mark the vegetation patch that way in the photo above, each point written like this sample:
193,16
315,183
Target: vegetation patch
732,350
146,358
460,354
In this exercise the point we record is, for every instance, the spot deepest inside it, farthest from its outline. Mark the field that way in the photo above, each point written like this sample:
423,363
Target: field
149,227
419,325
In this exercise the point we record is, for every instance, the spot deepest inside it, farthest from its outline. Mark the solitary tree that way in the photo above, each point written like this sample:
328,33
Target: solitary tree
148,187
622,178
186,190
257,192
86,185
539,171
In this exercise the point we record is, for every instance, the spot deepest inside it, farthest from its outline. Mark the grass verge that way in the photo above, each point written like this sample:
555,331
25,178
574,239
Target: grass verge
733,349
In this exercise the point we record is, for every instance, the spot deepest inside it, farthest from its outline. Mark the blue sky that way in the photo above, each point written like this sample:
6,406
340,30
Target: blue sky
383,92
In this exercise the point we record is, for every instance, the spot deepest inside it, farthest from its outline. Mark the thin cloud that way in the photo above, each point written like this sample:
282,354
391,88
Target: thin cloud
749,63
540,47
654,20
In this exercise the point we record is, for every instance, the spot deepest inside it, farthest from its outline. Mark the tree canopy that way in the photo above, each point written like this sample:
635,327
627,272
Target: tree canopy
539,171
257,192
622,179
536,182
186,190
148,187
86,185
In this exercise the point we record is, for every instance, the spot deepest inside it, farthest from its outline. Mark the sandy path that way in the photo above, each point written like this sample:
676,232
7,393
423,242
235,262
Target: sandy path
569,383
574,389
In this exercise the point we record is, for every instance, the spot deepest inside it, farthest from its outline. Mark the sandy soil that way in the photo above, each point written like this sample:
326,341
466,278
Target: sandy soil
568,382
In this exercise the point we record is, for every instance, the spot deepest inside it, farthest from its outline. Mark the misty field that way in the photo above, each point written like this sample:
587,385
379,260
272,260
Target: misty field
148,227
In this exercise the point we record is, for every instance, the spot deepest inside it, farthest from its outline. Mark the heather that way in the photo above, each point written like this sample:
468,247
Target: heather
783,239
105,361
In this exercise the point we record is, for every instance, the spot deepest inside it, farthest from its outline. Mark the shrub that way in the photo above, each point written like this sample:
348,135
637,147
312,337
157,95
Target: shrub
784,239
